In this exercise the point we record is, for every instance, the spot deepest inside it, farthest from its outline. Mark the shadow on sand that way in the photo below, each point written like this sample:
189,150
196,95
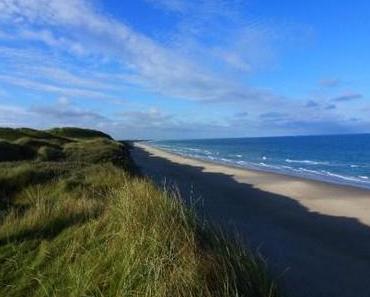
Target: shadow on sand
317,255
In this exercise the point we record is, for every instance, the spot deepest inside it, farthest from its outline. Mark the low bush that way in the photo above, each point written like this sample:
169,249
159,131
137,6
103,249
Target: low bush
47,153
14,152
36,143
10,134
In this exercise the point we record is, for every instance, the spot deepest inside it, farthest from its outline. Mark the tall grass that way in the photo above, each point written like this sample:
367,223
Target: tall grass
77,220
109,234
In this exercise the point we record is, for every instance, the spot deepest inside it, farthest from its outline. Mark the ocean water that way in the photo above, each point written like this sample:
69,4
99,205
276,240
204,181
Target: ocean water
343,159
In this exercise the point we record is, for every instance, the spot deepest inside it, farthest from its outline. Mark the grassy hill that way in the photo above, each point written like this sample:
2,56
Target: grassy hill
71,132
76,219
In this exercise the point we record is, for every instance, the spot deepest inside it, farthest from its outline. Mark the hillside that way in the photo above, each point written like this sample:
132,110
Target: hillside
77,219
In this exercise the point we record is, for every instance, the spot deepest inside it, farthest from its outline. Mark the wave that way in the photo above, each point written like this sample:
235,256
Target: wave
310,171
270,166
308,162
343,177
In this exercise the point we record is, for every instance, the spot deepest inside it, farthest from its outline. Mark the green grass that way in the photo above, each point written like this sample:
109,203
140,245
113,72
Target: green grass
88,225
11,134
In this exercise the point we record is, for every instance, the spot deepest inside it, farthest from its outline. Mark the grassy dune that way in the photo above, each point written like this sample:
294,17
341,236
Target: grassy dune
82,222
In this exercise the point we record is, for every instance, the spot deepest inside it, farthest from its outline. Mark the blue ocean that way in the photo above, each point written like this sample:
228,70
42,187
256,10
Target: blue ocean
343,159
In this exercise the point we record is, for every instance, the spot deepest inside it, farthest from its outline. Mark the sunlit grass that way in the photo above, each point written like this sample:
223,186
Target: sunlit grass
75,228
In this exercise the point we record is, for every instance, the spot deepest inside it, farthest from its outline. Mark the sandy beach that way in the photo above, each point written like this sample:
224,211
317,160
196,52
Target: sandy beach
314,235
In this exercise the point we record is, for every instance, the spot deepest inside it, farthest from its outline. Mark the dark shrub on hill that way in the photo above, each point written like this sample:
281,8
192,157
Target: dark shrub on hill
15,152
10,134
43,136
48,153
36,143
71,132
34,133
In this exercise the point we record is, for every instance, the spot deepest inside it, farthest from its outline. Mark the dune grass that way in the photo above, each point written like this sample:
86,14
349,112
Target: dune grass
77,228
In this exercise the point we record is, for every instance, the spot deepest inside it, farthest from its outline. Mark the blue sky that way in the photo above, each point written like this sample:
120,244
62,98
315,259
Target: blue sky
186,69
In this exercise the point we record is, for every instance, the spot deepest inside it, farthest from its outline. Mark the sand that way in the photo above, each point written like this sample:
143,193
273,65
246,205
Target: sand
314,235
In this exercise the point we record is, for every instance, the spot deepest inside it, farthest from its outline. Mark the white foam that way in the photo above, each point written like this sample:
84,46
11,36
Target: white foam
226,160
308,162
269,166
348,178
315,172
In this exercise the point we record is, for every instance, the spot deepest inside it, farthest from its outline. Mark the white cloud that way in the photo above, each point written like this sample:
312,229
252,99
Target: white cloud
13,116
43,72
51,40
347,97
62,114
52,88
153,118
155,67
330,82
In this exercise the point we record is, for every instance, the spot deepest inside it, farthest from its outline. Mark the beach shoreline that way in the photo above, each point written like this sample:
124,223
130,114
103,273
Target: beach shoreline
319,196
315,236
323,175
264,170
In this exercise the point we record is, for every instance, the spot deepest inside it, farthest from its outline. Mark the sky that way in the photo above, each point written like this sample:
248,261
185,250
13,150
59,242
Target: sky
178,69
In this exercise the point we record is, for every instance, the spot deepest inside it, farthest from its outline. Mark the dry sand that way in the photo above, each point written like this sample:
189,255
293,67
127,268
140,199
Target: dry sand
315,235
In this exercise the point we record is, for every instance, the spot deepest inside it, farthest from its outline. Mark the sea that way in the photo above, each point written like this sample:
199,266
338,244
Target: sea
340,159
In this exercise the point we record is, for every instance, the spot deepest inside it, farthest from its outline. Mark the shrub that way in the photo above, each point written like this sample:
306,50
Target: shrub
36,143
47,153
10,134
14,152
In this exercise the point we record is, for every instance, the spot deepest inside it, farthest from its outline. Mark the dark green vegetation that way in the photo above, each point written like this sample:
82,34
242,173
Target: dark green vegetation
77,220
